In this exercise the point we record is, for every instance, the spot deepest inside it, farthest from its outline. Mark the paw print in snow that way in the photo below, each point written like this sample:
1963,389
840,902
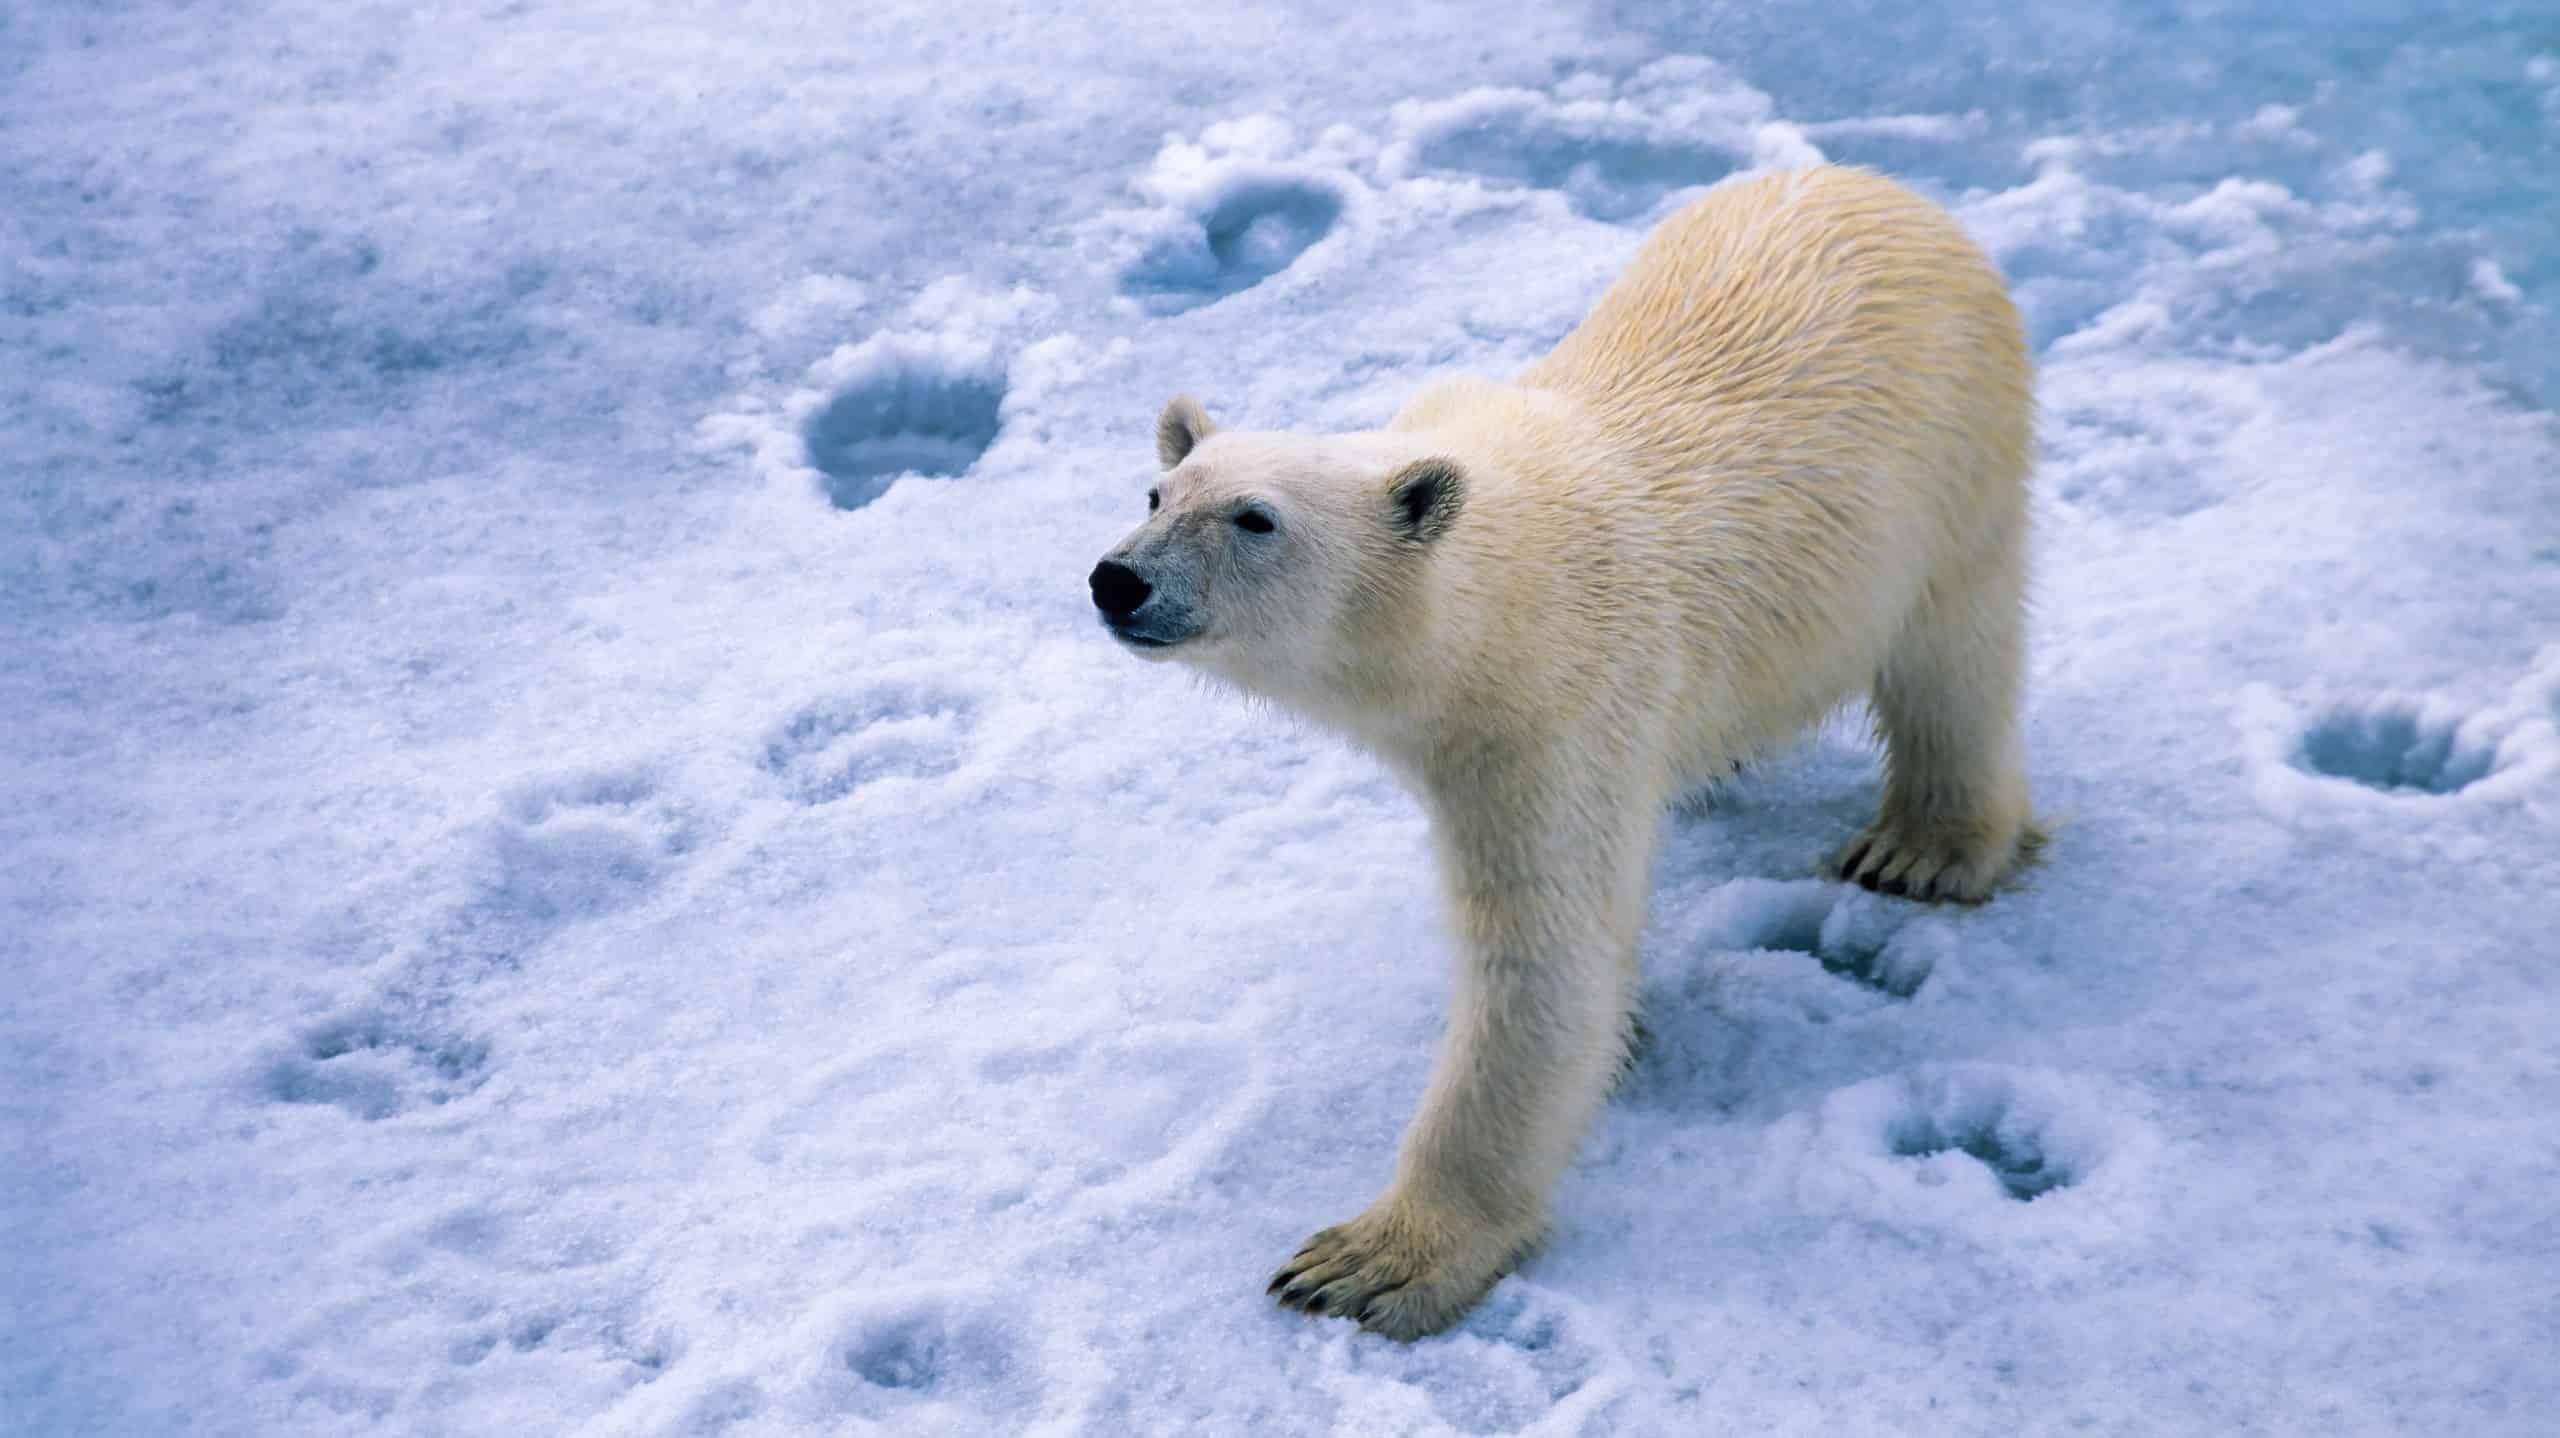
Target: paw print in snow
2396,747
1228,213
1873,945
2400,760
376,1063
900,407
896,731
576,848
1251,228
900,1359
1614,149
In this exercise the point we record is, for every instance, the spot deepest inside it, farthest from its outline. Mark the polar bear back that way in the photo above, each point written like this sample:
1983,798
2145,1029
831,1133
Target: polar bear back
1804,407
1819,318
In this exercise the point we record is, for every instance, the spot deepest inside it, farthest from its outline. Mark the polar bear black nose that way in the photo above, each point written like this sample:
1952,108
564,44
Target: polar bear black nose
1117,589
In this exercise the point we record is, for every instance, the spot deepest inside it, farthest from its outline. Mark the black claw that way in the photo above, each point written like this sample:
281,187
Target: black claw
1315,1303
1849,864
1897,886
1277,1279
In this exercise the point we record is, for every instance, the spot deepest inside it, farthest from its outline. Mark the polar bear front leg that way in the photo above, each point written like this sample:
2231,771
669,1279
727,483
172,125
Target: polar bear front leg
1955,820
1548,899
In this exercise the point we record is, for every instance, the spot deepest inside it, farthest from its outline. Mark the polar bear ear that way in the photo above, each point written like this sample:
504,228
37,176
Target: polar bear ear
1181,427
1424,497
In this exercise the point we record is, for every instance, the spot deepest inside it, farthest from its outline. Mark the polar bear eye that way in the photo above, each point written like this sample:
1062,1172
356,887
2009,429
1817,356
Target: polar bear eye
1254,521
1154,498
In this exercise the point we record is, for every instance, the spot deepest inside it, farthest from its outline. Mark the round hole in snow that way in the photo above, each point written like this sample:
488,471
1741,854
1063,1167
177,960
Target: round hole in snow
2396,748
911,419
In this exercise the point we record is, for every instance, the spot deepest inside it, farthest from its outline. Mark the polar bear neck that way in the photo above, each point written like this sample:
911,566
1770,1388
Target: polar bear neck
1423,664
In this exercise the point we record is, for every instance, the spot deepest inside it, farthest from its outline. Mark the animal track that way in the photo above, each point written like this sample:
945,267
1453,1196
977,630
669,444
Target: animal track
904,409
1861,942
375,1064
1252,229
1516,1362
335,318
2396,746
2141,447
2027,1141
724,1404
835,746
1676,125
1612,179
580,847
1730,1009
933,1349
2014,1159
909,1353
2403,750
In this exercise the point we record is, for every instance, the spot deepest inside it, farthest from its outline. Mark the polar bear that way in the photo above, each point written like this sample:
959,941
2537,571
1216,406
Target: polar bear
1781,463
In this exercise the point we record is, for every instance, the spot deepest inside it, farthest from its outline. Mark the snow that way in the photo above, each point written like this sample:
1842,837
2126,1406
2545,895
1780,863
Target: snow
576,863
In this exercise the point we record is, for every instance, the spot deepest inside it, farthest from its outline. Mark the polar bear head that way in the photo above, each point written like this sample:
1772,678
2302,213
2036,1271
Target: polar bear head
1279,562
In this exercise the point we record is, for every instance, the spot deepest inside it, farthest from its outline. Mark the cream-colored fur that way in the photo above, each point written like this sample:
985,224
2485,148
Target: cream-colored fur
1782,463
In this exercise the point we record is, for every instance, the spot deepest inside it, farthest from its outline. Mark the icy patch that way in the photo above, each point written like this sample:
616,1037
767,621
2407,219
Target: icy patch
1915,149
1615,150
2066,244
2251,265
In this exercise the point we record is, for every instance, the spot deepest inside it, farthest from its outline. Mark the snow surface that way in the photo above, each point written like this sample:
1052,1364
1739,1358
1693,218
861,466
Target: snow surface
575,864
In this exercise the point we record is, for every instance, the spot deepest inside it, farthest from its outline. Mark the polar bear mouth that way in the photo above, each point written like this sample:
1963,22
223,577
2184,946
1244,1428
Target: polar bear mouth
1150,633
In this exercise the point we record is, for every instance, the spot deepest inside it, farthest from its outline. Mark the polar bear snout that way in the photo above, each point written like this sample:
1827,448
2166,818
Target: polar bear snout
1137,609
1118,590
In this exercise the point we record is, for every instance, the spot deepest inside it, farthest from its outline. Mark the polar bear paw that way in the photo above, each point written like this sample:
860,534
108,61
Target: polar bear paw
1958,863
1398,1269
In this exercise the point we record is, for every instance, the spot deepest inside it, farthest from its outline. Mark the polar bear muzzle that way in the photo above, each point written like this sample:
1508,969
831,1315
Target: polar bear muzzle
1137,608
